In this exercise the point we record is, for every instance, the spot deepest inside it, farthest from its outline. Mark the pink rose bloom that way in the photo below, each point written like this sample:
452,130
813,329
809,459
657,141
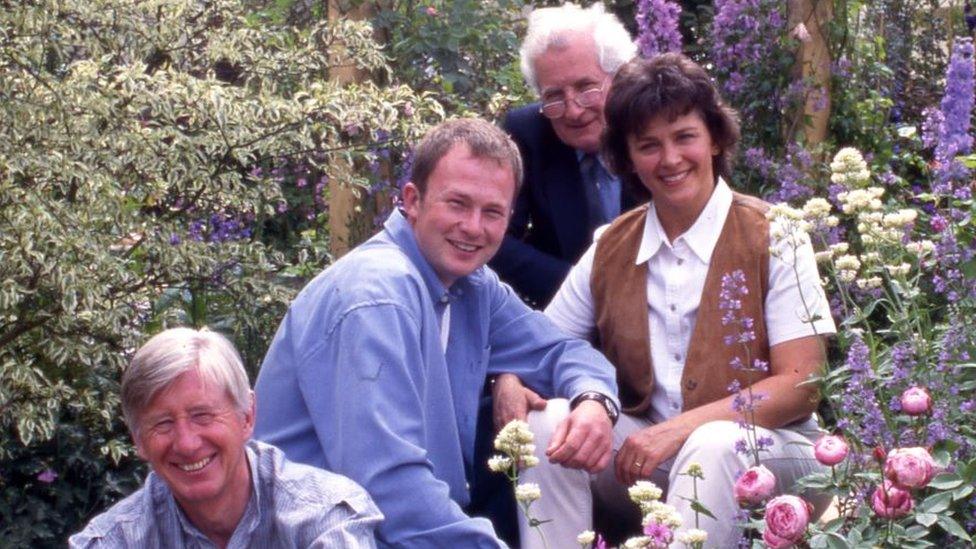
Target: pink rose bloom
830,450
786,521
891,502
916,401
754,486
910,467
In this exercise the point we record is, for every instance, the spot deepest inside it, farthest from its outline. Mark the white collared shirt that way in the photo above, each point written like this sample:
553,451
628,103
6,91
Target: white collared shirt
676,274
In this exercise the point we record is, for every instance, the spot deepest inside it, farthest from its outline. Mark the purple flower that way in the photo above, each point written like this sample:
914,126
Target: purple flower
47,476
956,108
657,26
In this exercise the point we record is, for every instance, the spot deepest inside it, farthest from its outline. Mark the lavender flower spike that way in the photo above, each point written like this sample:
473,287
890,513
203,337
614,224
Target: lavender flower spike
657,26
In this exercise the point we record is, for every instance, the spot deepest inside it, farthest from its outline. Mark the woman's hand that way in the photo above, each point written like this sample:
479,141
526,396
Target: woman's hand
644,450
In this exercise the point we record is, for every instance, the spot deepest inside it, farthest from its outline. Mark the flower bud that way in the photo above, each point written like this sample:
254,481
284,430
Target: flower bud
830,450
916,401
754,486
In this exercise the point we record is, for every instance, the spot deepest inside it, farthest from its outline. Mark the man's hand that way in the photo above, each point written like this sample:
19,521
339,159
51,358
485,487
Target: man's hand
584,439
512,400
644,450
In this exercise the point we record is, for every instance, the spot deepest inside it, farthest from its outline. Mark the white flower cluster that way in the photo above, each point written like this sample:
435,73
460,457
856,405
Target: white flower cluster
693,536
527,492
638,542
861,199
921,248
662,513
849,168
847,267
644,492
500,464
586,537
515,441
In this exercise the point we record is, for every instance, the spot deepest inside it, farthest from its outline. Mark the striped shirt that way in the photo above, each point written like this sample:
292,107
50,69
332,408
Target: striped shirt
291,505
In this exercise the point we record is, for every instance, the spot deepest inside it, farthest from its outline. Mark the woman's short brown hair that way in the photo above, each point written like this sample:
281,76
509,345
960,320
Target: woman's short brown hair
671,85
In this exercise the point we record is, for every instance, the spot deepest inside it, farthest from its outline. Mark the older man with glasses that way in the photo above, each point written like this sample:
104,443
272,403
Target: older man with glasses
567,57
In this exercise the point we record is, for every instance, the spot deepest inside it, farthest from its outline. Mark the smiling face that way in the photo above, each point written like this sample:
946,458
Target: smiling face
193,437
673,159
460,220
563,72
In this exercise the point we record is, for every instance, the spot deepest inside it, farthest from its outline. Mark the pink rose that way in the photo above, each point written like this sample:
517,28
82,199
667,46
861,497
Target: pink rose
786,520
830,450
754,486
916,401
910,467
891,502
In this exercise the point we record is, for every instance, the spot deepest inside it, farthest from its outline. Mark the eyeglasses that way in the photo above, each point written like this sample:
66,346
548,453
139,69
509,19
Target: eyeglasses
583,99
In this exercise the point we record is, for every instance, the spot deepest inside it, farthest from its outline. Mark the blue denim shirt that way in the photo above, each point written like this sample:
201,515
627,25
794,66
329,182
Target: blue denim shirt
357,381
291,505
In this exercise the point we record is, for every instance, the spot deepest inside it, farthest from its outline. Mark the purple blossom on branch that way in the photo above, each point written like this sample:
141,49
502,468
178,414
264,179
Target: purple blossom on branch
47,476
657,26
956,110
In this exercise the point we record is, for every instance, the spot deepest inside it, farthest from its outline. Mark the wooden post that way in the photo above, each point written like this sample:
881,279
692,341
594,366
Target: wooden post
814,63
343,199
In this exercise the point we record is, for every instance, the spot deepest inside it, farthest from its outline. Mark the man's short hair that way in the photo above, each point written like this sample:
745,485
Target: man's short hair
671,85
551,27
484,139
171,353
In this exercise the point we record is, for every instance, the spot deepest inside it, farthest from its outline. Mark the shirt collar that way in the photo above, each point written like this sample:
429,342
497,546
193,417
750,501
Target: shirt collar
701,237
401,233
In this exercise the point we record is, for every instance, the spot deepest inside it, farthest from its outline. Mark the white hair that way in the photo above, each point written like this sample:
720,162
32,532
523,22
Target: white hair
551,27
170,354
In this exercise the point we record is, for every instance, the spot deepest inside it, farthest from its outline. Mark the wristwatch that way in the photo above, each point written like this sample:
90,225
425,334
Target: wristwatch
608,404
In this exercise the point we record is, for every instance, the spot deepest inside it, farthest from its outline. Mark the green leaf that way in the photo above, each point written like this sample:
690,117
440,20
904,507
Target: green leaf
699,508
962,492
926,519
936,503
950,525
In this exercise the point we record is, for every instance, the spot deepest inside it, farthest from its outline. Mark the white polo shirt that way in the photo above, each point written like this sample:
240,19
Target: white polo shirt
676,274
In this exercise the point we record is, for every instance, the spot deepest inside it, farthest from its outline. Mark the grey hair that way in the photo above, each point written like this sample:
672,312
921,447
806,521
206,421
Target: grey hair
171,353
550,27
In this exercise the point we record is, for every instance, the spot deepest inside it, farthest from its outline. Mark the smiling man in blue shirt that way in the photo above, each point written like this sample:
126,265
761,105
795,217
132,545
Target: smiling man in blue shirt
377,369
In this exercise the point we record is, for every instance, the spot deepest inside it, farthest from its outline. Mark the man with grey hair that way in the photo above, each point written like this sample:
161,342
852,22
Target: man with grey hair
568,58
377,369
190,410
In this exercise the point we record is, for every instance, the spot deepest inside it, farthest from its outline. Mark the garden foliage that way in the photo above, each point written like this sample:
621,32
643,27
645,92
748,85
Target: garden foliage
148,155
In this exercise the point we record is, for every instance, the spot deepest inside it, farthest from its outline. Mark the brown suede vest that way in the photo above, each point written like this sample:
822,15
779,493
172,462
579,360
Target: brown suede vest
619,289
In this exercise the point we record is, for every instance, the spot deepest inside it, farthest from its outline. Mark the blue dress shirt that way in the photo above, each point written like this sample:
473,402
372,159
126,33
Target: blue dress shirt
357,381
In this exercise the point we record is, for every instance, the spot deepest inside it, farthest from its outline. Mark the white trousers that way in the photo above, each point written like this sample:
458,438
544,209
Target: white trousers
568,494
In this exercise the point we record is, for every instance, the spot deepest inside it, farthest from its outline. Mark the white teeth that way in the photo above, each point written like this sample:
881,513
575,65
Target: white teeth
464,247
675,177
190,467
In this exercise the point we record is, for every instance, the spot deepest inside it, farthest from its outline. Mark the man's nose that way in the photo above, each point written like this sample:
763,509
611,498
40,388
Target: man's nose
186,439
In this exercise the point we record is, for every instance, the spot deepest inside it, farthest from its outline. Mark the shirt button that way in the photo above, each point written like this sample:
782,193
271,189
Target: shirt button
672,307
677,357
467,486
445,298
681,261
674,406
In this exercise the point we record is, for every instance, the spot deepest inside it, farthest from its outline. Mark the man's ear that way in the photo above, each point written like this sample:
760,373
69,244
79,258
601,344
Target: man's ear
138,442
250,415
411,201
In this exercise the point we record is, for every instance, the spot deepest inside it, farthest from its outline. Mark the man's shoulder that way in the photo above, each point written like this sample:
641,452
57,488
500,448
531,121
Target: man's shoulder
297,488
527,125
128,521
366,274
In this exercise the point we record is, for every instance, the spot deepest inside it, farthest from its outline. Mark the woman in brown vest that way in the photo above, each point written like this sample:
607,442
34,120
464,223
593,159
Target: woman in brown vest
648,292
